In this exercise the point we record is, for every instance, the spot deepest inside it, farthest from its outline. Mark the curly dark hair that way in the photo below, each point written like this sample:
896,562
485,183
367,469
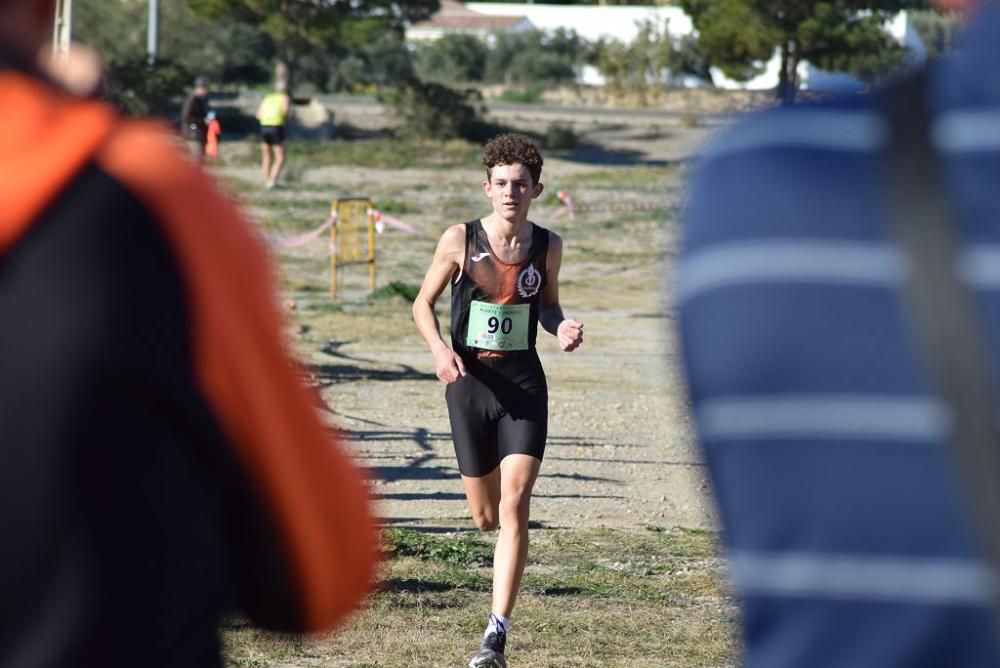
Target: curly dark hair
506,149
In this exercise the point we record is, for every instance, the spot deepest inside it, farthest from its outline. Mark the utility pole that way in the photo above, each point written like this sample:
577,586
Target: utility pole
62,28
153,31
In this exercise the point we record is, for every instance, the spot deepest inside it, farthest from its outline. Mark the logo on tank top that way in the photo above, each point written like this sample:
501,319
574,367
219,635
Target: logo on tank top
529,281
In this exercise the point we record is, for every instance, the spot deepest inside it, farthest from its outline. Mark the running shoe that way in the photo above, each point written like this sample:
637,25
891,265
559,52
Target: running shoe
491,653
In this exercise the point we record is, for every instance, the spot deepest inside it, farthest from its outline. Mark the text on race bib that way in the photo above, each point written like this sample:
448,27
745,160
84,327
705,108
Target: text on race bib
498,326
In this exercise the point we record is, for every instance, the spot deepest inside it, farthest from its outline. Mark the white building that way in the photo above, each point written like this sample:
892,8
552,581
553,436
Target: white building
456,18
592,22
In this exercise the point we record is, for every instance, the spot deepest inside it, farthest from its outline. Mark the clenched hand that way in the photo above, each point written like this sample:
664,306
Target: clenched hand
570,334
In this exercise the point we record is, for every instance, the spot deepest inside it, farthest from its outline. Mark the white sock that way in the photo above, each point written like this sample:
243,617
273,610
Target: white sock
497,624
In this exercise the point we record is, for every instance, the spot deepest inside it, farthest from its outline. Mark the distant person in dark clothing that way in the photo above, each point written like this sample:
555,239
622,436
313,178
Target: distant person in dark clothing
160,463
194,118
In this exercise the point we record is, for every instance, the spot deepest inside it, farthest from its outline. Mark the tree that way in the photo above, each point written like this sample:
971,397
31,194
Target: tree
429,110
636,66
837,35
939,31
535,57
386,62
452,58
224,51
300,27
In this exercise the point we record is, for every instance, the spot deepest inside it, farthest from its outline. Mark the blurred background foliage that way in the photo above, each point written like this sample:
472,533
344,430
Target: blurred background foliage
359,48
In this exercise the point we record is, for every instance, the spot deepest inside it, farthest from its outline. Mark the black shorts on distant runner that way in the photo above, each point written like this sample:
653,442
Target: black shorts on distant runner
499,408
272,134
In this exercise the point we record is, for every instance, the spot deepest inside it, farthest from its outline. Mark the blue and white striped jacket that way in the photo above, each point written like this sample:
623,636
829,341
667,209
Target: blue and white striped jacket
847,535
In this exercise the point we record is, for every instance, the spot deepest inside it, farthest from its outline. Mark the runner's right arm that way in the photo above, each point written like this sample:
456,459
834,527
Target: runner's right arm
448,259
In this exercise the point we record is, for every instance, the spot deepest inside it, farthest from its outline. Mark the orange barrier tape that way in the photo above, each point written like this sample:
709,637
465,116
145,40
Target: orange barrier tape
304,238
381,221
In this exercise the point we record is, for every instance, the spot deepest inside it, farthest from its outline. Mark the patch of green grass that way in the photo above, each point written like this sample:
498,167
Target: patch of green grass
308,207
304,286
624,178
435,577
384,153
406,291
629,598
394,207
529,95
465,549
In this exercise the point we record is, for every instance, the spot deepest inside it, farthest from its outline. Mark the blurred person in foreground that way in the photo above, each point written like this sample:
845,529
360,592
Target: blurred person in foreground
848,534
160,463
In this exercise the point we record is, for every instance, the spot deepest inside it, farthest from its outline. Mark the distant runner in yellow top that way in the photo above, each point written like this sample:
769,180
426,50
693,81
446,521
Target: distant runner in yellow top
273,115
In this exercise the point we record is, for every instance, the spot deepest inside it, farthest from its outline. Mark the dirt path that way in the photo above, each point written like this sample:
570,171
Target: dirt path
620,450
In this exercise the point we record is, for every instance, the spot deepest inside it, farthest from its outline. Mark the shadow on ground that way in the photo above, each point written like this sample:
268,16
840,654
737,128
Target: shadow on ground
354,368
595,154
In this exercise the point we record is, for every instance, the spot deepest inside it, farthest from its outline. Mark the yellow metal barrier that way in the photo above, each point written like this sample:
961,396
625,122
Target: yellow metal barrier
355,220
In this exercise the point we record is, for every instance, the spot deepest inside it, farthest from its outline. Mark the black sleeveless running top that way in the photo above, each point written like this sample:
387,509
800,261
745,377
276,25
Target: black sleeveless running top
486,278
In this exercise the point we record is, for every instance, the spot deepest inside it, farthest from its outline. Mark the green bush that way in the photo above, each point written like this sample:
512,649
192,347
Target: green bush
560,137
638,67
452,58
350,72
535,57
529,95
385,62
686,58
429,110
141,89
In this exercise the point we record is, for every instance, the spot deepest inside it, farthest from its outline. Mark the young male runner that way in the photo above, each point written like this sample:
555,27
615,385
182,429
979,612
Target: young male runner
504,275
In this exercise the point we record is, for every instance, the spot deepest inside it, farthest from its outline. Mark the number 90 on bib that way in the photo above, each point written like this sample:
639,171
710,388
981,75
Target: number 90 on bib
498,326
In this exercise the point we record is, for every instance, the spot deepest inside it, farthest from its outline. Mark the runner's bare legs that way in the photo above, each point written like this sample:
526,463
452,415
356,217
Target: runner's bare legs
504,497
265,160
517,478
279,162
483,495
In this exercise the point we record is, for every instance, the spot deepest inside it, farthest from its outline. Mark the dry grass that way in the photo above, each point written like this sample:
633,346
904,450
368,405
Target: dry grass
591,597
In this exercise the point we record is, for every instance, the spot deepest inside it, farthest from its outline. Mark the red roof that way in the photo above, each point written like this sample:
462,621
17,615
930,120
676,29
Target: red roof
453,15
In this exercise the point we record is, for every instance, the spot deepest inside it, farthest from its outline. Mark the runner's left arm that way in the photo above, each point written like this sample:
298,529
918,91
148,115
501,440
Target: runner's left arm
569,332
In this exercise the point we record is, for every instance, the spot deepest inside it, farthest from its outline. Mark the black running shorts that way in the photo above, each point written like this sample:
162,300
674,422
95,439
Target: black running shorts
272,135
499,408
